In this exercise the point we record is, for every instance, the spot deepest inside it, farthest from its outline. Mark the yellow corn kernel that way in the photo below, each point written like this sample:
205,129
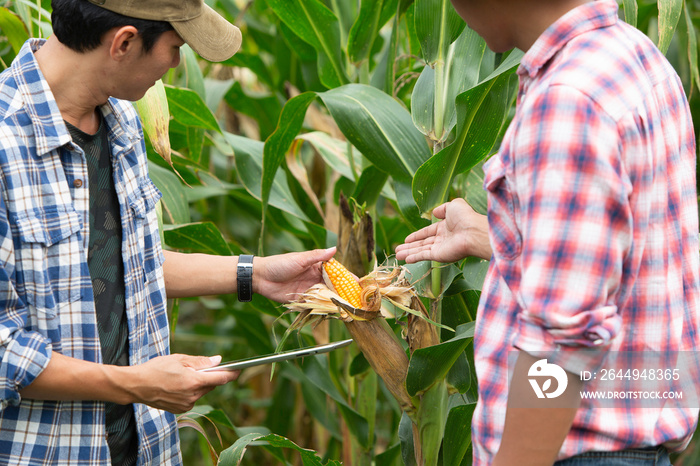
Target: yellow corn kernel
344,283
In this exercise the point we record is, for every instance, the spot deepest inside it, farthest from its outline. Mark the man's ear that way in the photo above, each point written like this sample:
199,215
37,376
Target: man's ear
124,41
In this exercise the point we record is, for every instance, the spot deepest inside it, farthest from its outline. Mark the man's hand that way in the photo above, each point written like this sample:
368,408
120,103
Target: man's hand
282,277
461,233
169,382
172,382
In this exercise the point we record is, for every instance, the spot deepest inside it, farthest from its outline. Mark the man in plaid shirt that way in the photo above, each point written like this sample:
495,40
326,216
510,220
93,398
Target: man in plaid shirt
86,374
592,233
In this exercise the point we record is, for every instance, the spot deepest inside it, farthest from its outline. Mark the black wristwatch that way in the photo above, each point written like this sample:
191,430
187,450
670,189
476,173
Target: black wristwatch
244,277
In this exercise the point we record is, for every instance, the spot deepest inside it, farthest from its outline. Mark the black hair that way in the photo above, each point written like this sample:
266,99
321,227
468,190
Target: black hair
81,25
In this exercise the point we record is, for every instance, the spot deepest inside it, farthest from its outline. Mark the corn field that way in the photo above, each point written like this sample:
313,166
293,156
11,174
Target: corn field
340,122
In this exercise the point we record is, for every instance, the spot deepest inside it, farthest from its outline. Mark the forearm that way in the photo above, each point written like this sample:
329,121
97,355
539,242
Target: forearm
532,436
168,382
66,378
279,277
188,275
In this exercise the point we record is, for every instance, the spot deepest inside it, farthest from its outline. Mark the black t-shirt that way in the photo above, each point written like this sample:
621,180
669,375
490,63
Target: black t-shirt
107,274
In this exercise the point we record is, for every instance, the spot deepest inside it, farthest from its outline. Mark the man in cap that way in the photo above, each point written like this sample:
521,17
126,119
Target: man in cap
85,371
593,229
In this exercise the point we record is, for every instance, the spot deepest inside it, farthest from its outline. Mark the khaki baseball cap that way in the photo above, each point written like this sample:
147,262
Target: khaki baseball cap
207,32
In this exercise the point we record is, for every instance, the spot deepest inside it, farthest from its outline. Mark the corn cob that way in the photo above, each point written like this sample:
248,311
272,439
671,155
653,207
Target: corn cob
344,283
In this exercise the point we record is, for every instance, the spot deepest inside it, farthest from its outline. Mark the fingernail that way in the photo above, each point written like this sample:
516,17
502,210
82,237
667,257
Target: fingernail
215,359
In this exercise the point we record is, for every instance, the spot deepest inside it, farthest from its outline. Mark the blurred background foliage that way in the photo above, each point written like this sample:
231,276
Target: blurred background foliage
394,104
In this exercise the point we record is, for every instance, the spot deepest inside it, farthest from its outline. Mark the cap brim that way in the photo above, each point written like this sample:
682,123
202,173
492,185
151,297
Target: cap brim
210,35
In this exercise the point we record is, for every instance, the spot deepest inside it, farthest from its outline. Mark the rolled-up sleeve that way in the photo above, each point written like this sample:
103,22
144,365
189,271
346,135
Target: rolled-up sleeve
577,225
24,354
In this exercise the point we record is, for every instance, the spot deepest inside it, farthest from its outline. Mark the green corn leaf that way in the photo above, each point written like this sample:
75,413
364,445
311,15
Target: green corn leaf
264,109
481,112
305,51
379,127
345,12
317,374
371,184
197,237
432,414
194,78
13,29
373,15
631,12
406,438
389,62
318,26
669,14
366,402
187,107
388,457
459,375
317,404
457,440
437,26
335,153
278,143
233,455
175,206
249,161
364,31
254,63
407,206
462,65
431,364
692,46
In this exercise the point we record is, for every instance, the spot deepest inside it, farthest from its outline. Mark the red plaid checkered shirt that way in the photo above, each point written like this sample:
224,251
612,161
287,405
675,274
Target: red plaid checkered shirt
593,220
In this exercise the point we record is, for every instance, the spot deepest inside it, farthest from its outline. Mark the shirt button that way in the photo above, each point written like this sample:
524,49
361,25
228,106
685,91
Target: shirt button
78,183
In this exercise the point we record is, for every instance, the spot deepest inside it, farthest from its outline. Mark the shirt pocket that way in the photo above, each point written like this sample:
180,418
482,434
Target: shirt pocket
143,209
506,239
144,199
50,259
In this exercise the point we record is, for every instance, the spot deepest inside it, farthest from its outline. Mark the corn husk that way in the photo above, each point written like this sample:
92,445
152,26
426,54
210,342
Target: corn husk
386,357
367,325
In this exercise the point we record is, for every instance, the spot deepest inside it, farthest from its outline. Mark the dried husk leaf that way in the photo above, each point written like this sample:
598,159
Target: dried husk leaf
298,170
420,332
355,238
155,117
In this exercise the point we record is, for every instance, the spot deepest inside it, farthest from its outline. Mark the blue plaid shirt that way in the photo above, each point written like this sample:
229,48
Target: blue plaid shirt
46,299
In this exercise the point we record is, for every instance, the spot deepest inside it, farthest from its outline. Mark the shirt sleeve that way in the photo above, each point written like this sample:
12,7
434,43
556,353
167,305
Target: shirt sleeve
24,354
576,226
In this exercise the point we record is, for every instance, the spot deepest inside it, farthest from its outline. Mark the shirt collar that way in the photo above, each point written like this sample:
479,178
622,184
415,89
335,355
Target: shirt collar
593,15
50,131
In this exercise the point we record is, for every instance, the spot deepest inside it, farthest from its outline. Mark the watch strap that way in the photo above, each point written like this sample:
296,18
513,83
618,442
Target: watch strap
244,277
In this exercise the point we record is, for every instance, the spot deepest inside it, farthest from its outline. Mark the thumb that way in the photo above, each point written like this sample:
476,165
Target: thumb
440,211
320,255
202,362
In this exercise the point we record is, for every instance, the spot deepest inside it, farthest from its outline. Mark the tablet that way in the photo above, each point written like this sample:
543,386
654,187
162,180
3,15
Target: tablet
276,357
